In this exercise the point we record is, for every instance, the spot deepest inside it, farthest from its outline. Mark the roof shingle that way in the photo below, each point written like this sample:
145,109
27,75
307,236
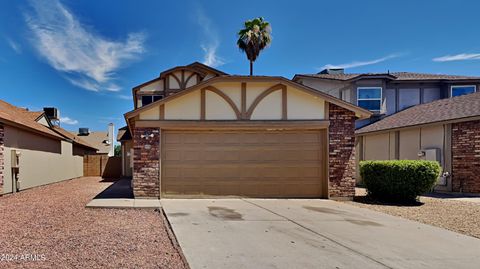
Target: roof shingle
397,76
460,107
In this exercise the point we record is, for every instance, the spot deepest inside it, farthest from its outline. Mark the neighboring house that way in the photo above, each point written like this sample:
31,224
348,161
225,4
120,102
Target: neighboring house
104,141
445,130
209,134
388,93
34,152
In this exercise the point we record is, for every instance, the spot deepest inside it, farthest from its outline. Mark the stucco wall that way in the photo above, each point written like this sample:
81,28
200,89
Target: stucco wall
42,161
377,147
300,105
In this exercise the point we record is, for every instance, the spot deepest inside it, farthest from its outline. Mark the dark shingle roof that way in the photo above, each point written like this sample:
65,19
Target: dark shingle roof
394,76
465,106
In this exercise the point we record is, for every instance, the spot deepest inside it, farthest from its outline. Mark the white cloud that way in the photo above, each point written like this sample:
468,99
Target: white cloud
88,59
15,46
211,42
361,63
124,97
458,57
68,121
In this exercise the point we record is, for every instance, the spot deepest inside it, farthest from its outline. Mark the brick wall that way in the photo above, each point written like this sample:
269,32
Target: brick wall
466,157
341,152
2,158
146,164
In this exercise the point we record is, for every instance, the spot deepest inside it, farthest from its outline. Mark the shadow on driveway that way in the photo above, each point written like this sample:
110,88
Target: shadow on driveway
121,189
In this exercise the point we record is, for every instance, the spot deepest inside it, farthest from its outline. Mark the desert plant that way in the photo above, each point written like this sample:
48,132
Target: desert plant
399,180
254,38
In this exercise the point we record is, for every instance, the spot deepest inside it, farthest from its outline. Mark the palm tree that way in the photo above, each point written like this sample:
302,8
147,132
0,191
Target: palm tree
254,38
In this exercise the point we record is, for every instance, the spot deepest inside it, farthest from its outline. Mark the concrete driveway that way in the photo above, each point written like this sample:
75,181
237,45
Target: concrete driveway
281,233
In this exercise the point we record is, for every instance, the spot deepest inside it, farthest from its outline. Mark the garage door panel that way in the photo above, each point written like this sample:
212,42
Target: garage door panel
243,163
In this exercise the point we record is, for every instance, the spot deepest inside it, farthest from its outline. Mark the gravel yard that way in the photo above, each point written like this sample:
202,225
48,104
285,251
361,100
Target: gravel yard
52,223
458,216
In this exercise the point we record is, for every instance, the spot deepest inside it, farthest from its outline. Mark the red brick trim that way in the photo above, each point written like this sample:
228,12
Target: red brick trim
146,162
466,157
2,157
341,152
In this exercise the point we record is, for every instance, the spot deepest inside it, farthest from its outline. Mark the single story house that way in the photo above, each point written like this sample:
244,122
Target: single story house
34,152
102,140
198,132
446,130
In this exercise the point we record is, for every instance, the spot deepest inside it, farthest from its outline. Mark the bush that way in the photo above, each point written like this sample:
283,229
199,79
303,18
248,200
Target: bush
399,180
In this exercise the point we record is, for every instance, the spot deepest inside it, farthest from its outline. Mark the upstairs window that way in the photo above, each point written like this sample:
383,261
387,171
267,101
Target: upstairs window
147,99
370,98
462,89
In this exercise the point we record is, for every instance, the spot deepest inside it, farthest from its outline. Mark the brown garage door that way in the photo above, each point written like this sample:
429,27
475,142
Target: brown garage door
243,163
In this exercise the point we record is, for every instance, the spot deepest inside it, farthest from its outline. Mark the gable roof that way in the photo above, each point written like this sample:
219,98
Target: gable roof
232,78
24,119
73,138
124,134
456,108
395,76
96,140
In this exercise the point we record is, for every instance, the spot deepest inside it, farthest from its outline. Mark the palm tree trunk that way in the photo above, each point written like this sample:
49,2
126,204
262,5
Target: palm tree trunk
251,68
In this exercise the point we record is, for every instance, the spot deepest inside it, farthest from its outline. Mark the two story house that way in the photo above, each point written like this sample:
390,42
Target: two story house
387,93
196,131
415,116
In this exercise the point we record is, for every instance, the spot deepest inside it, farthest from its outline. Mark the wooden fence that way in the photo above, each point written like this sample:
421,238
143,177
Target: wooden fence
102,166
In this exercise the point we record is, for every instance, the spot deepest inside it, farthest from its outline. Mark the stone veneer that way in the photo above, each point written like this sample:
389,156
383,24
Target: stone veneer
466,157
2,158
146,163
341,152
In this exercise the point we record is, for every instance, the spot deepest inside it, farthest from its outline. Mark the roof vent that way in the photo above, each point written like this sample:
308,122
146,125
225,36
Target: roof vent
332,71
52,113
83,131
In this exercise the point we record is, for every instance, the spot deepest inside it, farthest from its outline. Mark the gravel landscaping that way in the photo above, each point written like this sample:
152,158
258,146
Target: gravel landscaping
458,216
49,227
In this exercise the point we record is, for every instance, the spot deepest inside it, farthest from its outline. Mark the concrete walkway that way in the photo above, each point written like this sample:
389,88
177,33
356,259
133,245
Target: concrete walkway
120,195
258,233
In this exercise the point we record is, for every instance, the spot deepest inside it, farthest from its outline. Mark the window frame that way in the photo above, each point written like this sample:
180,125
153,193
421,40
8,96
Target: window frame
459,86
152,96
370,99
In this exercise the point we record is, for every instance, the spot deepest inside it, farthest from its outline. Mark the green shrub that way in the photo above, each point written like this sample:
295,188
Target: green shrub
399,180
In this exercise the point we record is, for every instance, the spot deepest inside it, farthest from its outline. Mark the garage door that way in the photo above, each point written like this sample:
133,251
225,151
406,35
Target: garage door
243,163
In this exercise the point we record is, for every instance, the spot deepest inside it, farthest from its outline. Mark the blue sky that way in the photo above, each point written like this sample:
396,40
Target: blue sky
84,57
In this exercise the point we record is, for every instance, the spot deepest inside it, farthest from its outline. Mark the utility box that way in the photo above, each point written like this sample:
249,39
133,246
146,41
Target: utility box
15,165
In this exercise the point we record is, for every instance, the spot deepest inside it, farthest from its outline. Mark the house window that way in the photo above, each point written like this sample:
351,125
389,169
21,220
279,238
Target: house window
462,89
369,98
147,99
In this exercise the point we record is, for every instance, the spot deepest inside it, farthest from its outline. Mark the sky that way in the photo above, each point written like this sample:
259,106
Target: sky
84,57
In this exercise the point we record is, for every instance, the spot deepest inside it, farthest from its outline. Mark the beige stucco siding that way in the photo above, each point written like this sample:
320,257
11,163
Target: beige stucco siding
186,107
377,147
42,161
432,137
151,114
409,144
300,105
216,108
152,87
232,90
255,89
304,106
270,108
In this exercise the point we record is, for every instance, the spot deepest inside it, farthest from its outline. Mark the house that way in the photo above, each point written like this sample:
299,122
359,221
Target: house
198,132
388,93
104,141
34,151
446,130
